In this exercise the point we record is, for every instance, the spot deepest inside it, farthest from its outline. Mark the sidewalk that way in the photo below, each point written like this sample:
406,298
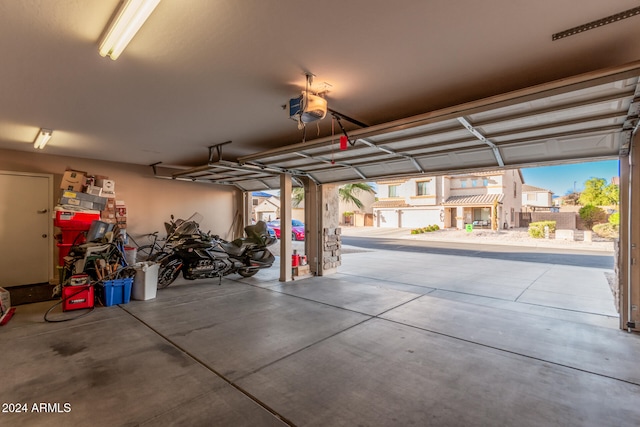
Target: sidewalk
511,237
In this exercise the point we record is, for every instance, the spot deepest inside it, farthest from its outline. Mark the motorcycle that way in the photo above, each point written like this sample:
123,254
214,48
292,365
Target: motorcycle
201,256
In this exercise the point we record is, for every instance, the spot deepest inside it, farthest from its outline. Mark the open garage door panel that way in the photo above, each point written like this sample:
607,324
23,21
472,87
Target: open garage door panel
588,117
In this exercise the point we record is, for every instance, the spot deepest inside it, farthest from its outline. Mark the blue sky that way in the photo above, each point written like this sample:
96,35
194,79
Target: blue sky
560,179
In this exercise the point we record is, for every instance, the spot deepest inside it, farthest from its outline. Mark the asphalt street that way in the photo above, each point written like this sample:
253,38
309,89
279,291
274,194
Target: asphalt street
573,257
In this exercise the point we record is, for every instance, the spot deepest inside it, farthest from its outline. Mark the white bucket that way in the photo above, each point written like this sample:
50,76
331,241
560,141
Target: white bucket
145,284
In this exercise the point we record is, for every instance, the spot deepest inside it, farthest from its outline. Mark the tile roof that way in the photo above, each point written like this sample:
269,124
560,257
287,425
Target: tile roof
479,199
390,204
392,181
527,187
478,173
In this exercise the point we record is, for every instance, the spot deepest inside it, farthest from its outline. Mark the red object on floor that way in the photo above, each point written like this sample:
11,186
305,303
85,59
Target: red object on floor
343,142
77,297
7,316
295,260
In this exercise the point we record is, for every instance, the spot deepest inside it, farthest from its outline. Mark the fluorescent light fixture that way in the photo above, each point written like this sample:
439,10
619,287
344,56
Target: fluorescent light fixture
125,25
43,137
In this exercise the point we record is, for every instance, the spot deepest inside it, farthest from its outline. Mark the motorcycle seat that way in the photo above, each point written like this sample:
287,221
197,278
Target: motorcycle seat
231,248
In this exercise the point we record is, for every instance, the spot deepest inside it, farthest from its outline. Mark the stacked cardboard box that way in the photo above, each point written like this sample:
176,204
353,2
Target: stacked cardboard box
82,201
74,181
108,186
82,191
121,214
108,214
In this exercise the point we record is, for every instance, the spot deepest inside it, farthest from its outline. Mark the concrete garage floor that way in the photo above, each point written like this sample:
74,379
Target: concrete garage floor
437,340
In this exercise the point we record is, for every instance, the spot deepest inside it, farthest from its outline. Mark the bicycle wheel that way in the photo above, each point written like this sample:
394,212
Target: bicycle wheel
144,253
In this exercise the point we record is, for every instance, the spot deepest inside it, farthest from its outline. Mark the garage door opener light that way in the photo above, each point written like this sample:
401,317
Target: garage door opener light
130,17
43,137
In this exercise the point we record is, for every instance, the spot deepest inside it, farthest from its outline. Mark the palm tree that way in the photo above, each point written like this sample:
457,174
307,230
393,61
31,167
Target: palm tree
297,196
346,192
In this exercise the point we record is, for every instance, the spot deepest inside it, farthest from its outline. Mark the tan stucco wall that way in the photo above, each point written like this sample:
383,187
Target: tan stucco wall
150,201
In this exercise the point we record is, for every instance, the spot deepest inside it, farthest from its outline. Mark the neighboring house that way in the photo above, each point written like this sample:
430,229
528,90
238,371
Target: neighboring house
360,217
536,197
450,201
350,214
265,206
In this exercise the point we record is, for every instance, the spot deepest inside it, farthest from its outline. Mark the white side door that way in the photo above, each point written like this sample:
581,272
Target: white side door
26,227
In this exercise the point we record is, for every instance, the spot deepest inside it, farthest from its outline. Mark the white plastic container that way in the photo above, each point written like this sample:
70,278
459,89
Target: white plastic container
145,284
130,254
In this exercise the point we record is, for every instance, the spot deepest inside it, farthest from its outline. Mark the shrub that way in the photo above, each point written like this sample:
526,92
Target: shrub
614,218
606,230
591,215
427,229
536,229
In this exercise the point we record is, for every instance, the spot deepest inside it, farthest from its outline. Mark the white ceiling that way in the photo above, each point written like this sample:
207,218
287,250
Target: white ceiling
202,72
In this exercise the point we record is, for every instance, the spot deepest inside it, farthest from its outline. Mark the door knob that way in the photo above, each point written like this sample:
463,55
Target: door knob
44,236
42,211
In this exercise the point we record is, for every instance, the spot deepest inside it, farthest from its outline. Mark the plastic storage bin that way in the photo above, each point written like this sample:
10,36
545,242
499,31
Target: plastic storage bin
116,291
75,220
145,284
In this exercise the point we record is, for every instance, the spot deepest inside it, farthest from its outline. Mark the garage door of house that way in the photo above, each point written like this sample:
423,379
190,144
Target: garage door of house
420,217
388,218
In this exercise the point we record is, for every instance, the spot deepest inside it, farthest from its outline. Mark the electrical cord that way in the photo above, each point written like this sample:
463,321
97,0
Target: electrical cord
62,301
123,272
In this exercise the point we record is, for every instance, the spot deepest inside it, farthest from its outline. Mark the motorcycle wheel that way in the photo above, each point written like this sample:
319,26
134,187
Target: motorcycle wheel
168,272
246,272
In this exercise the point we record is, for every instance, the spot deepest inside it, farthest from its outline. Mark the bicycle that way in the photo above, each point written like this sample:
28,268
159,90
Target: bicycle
145,252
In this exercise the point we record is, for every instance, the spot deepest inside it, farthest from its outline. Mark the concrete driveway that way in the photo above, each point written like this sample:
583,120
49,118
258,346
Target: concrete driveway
394,338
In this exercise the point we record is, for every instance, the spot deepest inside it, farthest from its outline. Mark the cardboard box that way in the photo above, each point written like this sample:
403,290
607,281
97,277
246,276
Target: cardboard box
111,204
121,209
94,191
301,270
5,302
108,215
83,200
73,180
107,185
